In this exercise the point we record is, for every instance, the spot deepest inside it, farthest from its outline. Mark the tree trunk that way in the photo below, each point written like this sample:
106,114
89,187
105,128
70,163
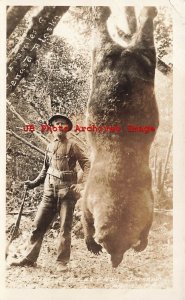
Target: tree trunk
14,16
42,27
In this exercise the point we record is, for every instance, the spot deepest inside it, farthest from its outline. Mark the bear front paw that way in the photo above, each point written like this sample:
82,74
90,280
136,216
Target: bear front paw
93,247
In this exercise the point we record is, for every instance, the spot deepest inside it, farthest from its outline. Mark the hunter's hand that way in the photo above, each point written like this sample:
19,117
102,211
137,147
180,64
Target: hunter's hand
29,184
77,188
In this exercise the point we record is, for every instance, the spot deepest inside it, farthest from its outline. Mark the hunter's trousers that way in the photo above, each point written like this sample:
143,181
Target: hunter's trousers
53,202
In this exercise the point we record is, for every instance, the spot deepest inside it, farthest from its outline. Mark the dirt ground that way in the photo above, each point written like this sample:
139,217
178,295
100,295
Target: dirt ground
152,268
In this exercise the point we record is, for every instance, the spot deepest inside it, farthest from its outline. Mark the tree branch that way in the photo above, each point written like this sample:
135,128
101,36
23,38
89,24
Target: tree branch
163,67
25,142
10,106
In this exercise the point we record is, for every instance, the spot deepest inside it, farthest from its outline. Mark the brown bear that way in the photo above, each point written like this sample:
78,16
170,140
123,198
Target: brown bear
118,200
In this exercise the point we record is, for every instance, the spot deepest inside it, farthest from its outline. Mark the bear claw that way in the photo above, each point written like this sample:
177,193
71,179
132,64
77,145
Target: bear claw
93,247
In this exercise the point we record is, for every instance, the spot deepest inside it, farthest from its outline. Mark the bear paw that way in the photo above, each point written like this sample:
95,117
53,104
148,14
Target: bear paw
147,12
93,247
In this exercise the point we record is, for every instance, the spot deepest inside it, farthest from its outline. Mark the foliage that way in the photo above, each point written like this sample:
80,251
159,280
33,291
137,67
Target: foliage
61,77
163,32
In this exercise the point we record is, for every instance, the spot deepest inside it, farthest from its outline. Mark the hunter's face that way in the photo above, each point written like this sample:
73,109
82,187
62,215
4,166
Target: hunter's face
60,127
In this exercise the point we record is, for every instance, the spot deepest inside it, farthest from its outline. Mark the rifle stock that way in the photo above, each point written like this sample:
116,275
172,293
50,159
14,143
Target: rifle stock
15,228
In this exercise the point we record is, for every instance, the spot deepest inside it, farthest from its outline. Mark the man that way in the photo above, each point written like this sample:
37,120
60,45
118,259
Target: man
61,192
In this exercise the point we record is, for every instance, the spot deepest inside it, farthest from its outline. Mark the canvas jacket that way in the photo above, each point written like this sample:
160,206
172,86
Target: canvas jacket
55,157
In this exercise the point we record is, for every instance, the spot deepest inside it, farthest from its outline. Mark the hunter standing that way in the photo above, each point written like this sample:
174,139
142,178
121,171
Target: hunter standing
61,192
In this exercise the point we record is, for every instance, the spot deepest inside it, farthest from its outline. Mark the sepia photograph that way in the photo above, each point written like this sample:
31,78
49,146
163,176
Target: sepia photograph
89,147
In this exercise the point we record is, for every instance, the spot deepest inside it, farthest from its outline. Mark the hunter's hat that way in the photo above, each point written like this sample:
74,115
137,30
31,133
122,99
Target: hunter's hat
57,116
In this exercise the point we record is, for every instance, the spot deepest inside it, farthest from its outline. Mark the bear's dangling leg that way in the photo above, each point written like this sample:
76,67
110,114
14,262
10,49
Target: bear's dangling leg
129,26
144,237
145,31
89,230
131,18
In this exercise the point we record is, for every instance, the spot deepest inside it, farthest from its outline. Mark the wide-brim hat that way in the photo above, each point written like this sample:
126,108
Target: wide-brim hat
54,117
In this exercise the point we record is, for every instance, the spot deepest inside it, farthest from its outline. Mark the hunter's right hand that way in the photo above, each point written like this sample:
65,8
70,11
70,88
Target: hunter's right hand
29,184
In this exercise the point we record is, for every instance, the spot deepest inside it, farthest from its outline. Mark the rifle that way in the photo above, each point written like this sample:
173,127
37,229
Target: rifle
15,227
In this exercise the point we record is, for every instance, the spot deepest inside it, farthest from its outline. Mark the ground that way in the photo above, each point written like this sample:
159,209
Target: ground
151,268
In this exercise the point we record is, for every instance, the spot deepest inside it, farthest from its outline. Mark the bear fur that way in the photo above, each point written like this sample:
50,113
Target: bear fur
118,200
